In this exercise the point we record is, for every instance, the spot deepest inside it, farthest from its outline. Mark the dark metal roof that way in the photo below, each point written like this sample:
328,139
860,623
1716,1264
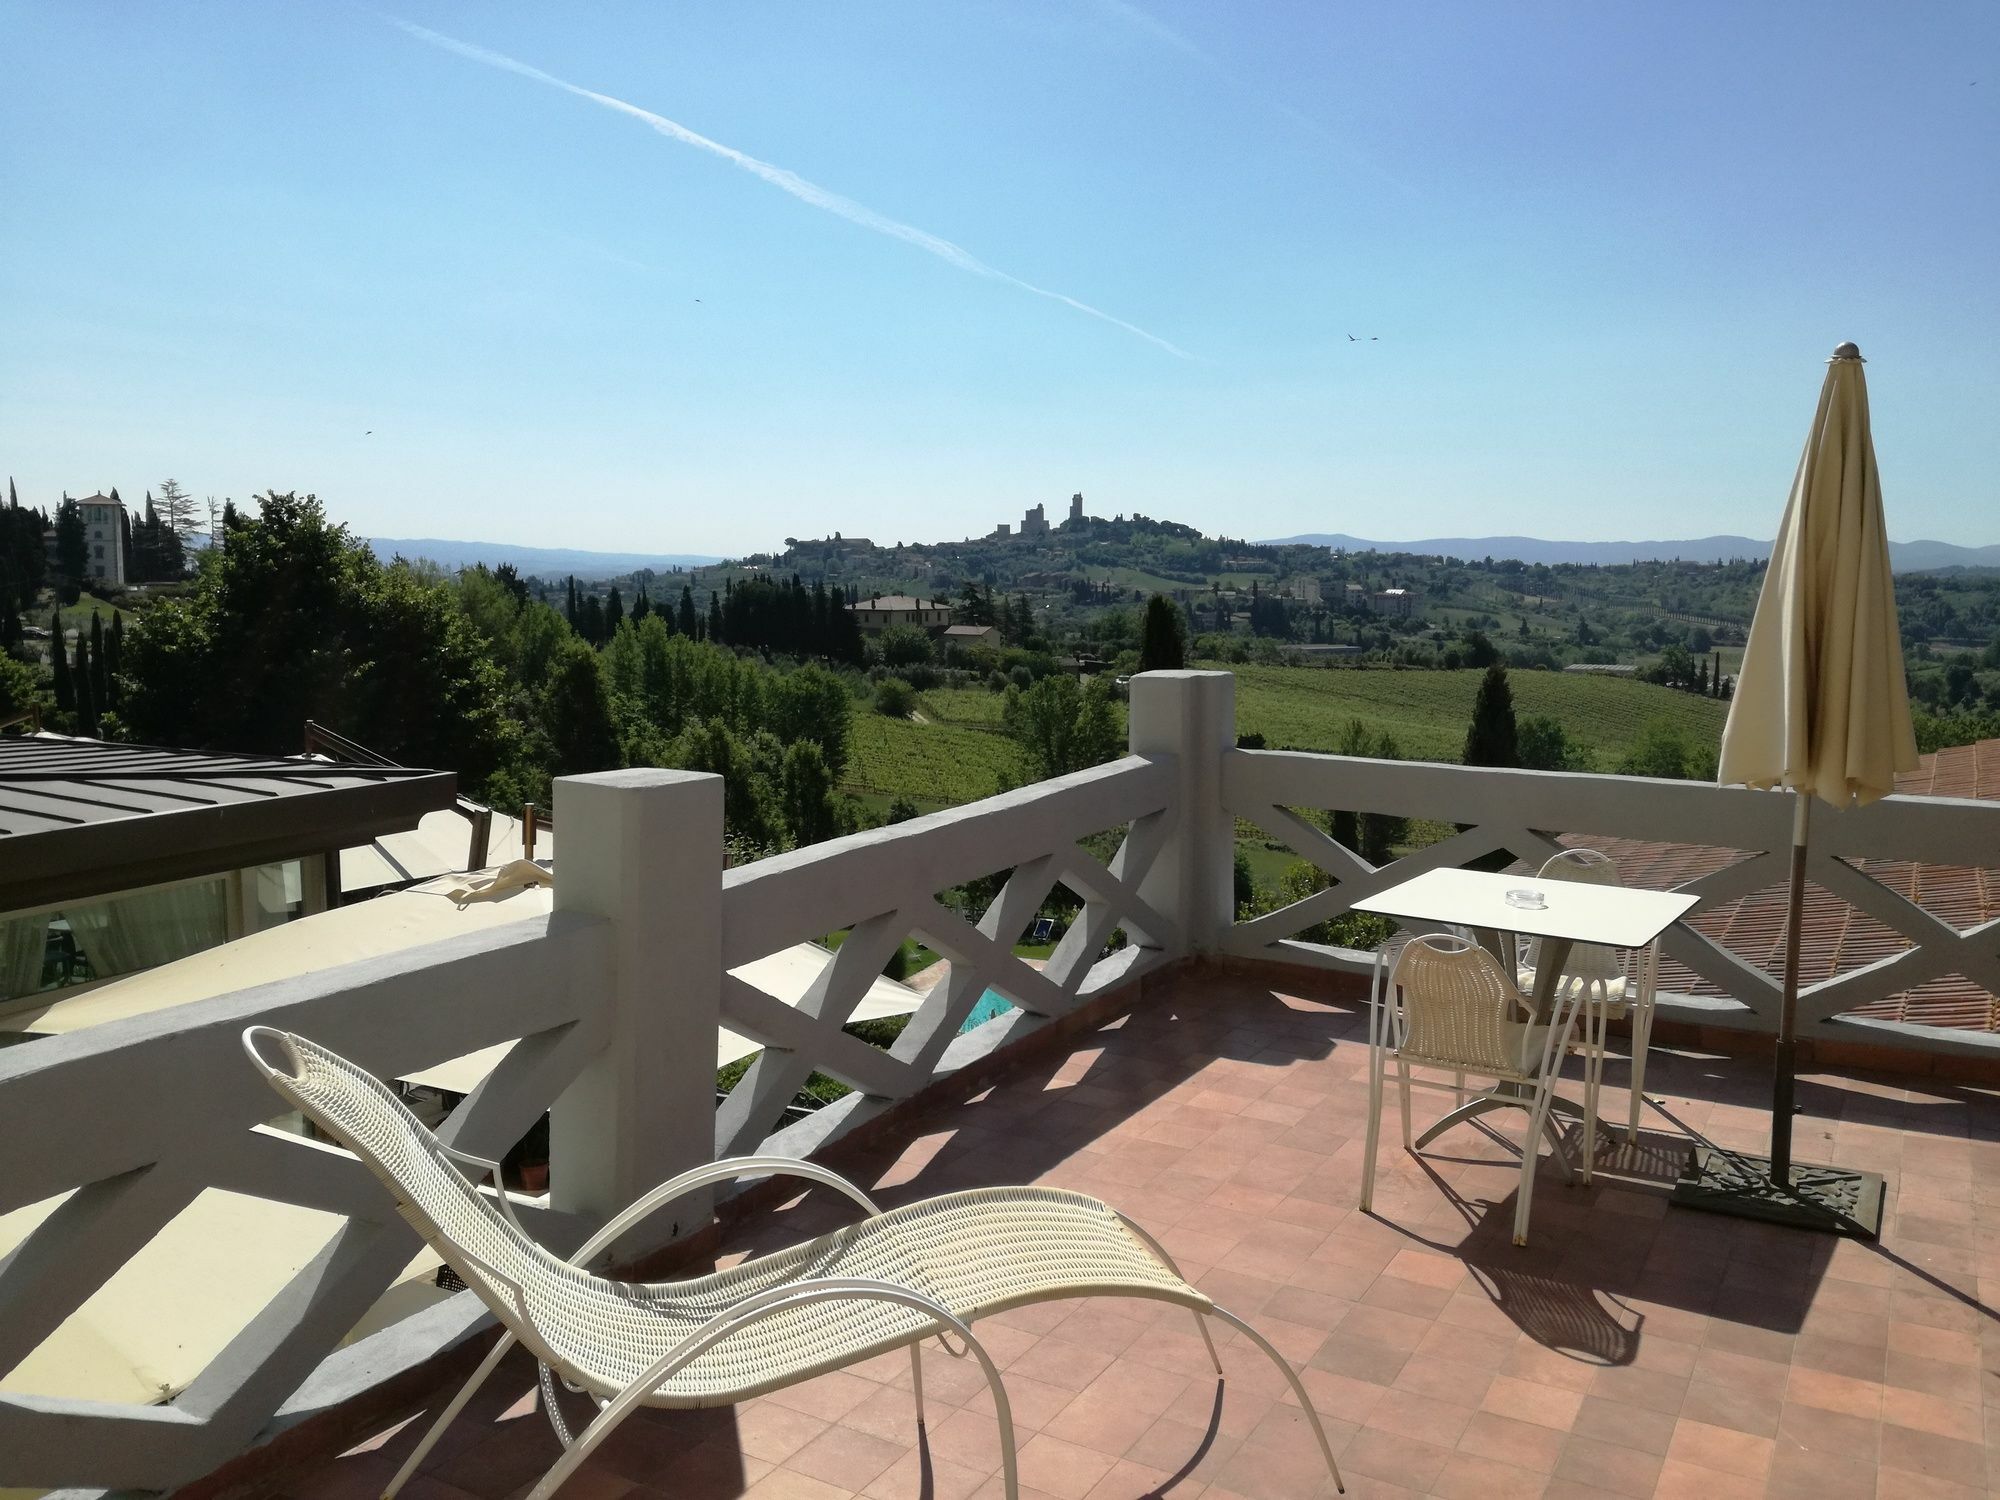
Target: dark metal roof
82,818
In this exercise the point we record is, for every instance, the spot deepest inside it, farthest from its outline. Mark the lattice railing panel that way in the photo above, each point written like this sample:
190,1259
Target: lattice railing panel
884,886
123,1126
1896,959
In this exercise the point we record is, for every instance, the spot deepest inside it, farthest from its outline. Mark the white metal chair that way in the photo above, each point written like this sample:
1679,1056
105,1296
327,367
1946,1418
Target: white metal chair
1447,1004
1615,986
926,1269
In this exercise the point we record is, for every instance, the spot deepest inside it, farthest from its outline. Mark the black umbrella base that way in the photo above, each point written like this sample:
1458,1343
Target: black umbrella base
1832,1200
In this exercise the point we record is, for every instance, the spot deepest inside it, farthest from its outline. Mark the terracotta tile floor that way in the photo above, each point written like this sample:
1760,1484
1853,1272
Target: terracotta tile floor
1632,1349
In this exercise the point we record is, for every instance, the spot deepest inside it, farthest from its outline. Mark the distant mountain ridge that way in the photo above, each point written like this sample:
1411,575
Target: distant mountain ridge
548,562
1904,557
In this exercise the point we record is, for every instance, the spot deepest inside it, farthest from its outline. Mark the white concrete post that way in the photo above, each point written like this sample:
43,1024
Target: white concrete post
643,848
1192,717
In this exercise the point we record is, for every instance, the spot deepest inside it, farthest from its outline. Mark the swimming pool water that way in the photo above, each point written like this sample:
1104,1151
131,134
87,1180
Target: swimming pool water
991,1004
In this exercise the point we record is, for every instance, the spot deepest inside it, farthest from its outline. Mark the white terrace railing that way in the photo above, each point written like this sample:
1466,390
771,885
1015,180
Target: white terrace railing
612,1005
1522,814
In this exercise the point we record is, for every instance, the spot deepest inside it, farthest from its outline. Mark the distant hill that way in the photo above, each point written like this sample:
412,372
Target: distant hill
549,562
1905,557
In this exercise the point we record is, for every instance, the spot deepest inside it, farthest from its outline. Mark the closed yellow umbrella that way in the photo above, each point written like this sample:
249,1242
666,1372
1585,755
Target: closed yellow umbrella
1820,707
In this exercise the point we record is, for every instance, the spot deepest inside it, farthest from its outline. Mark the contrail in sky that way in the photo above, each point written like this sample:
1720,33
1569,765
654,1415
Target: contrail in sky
778,177
1130,14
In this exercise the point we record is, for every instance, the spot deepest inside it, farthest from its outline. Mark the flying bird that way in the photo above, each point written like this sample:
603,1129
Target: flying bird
1352,339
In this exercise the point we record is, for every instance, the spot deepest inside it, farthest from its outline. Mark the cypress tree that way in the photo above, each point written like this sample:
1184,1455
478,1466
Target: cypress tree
716,632
641,606
1490,740
614,613
1163,645
100,689
59,666
685,619
117,644
86,698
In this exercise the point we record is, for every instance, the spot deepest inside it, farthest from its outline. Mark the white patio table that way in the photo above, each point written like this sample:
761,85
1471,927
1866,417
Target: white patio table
1497,907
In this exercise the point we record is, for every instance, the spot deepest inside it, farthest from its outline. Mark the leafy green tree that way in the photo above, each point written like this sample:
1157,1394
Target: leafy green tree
812,704
1492,739
1372,835
1163,644
22,688
894,698
903,646
806,790
1542,744
1061,726
72,550
973,607
294,619
178,512
1480,651
576,716
748,809
1664,749
902,809
590,620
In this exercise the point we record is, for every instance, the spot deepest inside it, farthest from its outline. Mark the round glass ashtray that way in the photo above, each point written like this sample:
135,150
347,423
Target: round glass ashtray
1526,899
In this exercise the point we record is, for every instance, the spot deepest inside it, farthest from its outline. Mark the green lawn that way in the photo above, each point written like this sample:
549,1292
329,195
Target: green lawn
1307,708
77,616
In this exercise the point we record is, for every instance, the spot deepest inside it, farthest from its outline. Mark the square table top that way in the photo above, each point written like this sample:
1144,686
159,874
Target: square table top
1607,914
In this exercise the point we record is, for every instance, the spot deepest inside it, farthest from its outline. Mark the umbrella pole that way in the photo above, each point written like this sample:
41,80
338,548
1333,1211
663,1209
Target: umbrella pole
1785,1063
1719,1181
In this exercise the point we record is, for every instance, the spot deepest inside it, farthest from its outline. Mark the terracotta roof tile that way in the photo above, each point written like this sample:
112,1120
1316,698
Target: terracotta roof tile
1834,937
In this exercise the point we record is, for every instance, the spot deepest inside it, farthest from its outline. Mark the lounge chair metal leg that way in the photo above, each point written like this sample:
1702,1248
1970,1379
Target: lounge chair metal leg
1200,1322
917,1377
450,1414
1298,1388
606,1422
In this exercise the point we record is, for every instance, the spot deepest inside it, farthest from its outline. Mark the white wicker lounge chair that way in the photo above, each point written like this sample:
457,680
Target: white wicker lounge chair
1447,1005
891,1281
1615,985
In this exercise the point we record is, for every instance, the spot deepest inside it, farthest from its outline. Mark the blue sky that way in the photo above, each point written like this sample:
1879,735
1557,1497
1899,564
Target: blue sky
1604,250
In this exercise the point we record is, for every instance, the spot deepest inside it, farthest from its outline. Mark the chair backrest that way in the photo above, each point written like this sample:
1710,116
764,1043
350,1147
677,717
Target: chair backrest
1460,1008
358,1110
1586,866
